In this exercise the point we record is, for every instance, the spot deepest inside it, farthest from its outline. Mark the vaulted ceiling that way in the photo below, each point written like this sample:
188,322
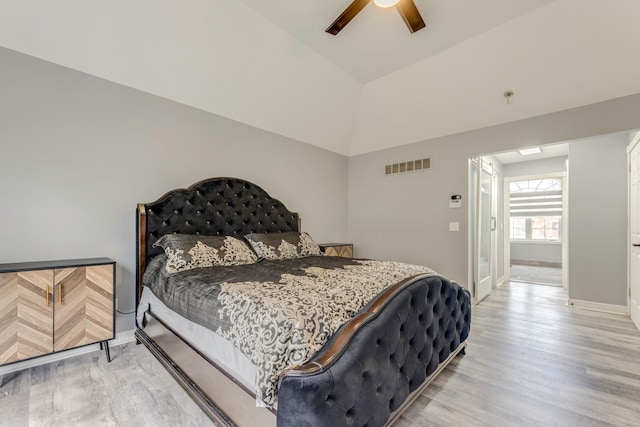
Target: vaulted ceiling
373,86
377,42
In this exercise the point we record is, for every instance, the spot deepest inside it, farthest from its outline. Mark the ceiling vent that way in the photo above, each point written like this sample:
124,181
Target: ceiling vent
410,166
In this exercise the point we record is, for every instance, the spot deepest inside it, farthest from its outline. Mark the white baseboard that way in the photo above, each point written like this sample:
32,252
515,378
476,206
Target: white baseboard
501,281
123,337
598,306
636,322
120,339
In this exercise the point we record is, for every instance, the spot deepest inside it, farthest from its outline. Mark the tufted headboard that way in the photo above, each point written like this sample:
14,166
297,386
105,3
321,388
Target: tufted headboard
215,206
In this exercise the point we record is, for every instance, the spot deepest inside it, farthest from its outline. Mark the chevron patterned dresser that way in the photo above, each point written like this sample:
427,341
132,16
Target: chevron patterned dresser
51,306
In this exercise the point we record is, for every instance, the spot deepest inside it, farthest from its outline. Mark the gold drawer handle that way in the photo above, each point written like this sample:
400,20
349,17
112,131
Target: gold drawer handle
60,293
48,293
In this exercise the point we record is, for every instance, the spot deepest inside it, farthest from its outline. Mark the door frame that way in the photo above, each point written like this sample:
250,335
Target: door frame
565,221
633,144
473,216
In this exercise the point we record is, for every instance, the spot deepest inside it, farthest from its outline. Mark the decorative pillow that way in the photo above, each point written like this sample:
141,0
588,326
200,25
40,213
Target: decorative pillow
283,245
188,251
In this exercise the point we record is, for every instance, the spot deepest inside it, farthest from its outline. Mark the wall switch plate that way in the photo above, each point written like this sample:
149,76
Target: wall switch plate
454,226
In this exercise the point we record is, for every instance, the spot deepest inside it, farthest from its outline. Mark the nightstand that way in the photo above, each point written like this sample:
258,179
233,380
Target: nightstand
337,249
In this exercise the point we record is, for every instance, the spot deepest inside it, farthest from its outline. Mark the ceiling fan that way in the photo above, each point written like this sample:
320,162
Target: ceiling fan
406,8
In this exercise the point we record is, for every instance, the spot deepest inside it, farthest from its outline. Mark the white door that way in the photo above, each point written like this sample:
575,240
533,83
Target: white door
634,279
485,224
634,230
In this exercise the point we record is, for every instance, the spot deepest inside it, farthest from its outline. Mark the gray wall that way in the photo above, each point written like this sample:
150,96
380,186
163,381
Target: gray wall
405,217
544,252
536,167
598,220
79,152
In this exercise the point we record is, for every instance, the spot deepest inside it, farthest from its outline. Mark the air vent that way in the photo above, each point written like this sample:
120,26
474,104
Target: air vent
410,166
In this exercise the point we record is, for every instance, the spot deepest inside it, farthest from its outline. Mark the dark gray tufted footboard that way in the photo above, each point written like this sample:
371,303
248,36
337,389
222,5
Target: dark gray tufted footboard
389,357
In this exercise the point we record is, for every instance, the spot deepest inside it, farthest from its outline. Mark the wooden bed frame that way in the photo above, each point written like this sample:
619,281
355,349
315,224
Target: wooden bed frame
229,206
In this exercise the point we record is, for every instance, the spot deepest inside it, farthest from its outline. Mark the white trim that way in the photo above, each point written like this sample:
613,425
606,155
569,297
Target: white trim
471,232
630,230
502,280
565,228
535,176
632,144
637,323
121,338
506,229
598,306
536,242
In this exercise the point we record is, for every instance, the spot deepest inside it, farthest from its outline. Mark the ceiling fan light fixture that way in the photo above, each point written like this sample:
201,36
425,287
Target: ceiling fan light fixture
385,3
406,8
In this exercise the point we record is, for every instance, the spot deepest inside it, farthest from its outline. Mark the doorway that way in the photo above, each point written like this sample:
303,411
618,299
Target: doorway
497,260
535,214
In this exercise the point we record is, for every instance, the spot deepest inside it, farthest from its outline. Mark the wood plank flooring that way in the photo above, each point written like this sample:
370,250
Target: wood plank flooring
535,274
531,361
86,391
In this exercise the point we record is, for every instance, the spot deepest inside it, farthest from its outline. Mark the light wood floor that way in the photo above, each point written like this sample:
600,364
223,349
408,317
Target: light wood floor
535,274
530,361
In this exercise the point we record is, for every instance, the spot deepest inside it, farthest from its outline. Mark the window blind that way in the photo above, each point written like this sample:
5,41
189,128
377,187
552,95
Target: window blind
538,203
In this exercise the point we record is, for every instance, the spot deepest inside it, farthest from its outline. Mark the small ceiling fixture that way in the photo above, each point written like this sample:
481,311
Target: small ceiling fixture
529,151
508,94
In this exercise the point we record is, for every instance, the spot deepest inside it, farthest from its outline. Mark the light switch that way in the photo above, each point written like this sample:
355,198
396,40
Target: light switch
454,226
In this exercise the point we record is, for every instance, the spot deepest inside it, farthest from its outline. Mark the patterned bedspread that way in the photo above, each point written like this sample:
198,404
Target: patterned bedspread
277,313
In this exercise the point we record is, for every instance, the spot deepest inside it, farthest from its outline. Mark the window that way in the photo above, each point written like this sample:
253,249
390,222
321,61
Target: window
536,209
540,228
518,228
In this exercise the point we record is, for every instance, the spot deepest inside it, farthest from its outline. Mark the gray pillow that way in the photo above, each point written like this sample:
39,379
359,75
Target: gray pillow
283,245
188,251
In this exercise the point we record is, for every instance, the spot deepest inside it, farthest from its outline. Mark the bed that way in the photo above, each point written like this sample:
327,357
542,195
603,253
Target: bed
363,367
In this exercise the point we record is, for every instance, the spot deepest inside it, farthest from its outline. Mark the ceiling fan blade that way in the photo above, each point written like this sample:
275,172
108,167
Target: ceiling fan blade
410,15
349,13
